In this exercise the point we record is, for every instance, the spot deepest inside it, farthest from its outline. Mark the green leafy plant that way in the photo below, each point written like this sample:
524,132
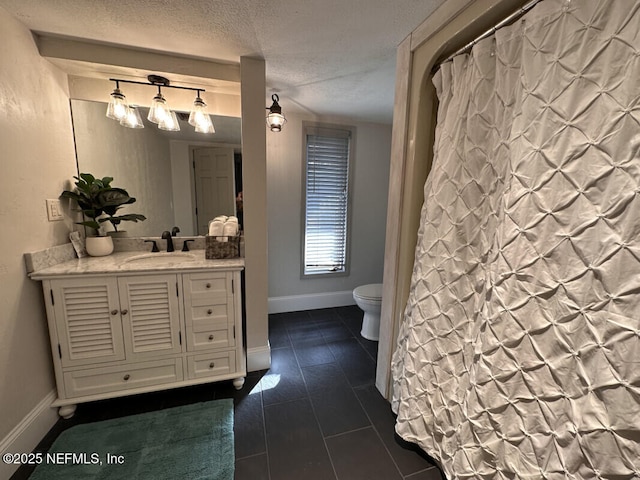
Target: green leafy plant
100,202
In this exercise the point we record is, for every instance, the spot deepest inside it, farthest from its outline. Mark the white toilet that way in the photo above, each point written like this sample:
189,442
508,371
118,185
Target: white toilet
369,299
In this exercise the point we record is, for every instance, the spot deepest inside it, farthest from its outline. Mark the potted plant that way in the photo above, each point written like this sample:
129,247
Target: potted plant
100,202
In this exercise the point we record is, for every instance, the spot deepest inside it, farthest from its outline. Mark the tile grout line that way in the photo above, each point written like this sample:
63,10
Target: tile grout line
375,429
264,430
315,415
371,422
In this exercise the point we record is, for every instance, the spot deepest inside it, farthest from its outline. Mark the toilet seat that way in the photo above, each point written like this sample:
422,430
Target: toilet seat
371,292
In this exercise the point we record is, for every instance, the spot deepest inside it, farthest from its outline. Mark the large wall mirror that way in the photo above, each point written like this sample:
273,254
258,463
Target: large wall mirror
181,179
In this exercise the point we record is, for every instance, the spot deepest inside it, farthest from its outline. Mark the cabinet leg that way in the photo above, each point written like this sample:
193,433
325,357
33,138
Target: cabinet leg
67,411
238,382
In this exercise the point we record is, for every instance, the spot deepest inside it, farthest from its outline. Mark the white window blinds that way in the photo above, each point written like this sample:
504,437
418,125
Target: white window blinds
326,195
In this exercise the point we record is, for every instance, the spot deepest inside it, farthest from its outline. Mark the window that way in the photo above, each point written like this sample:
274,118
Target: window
328,152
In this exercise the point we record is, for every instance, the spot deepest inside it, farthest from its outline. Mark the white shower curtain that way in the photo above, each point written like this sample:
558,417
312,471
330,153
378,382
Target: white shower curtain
519,352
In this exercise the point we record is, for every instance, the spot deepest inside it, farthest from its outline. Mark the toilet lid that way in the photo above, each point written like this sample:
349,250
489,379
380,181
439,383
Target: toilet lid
372,291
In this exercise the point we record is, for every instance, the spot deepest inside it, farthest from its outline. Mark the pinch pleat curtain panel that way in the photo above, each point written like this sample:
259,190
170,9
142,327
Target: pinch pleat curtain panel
518,354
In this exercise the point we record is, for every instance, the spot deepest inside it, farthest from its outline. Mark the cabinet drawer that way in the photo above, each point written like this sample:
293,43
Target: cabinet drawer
209,315
123,377
206,288
208,337
211,364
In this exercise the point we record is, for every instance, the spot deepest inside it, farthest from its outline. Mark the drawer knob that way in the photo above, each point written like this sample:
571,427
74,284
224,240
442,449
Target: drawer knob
124,312
114,312
210,337
212,364
127,377
209,312
208,285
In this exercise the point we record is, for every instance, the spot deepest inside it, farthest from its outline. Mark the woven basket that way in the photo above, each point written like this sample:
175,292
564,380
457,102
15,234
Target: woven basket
215,249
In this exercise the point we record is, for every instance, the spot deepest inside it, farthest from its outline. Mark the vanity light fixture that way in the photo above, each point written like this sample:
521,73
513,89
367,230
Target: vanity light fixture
159,112
275,119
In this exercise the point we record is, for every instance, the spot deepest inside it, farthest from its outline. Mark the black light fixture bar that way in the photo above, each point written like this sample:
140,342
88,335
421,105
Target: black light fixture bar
158,81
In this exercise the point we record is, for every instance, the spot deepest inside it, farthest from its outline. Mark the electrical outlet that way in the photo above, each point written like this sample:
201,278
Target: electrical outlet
54,210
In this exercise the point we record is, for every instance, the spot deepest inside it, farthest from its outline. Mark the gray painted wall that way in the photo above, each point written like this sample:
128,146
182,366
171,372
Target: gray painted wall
37,161
285,161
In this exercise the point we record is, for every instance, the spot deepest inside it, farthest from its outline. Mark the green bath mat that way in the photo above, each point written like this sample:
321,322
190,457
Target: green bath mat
193,442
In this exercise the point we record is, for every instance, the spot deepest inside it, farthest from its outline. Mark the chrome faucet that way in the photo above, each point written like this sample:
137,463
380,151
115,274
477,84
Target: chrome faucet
166,235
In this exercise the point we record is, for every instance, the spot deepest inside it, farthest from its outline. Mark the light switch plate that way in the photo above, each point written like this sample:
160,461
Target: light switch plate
54,210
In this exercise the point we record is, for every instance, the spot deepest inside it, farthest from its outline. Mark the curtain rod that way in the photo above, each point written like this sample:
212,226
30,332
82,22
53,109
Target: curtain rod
511,18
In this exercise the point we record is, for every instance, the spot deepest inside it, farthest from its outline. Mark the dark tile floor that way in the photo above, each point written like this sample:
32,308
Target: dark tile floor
314,415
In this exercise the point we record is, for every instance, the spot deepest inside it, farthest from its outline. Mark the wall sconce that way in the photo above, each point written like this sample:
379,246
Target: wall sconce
275,119
159,113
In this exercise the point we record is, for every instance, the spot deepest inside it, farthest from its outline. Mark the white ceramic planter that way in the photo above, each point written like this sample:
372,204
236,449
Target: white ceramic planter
99,246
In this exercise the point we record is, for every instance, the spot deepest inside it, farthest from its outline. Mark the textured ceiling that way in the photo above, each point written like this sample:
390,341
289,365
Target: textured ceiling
326,57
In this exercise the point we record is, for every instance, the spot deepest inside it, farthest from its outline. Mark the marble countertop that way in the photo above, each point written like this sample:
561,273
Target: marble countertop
137,262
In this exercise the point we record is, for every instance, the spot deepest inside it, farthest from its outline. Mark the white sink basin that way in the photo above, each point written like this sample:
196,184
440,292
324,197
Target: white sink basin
160,258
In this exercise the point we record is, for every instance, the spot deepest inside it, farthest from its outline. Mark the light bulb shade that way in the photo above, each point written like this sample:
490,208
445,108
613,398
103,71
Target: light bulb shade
199,117
205,125
170,123
132,119
117,108
199,109
275,119
159,111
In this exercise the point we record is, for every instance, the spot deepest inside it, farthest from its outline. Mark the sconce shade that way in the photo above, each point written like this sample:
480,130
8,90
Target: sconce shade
199,117
275,119
159,111
170,123
117,108
132,118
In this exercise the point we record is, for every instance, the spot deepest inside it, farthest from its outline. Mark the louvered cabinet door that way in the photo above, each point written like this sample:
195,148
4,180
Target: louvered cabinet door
88,322
150,315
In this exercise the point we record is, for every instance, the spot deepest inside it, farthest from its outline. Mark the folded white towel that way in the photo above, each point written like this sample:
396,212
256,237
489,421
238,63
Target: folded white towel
216,228
230,230
222,218
232,219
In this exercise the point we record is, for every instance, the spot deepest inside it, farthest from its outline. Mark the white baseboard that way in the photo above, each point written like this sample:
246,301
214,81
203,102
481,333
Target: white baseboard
258,358
28,433
313,301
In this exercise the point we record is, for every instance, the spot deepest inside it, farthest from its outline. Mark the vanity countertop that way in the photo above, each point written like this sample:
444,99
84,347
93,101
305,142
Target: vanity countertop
137,262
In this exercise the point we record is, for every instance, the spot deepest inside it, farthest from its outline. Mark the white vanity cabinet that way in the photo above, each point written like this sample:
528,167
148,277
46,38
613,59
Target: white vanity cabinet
121,334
